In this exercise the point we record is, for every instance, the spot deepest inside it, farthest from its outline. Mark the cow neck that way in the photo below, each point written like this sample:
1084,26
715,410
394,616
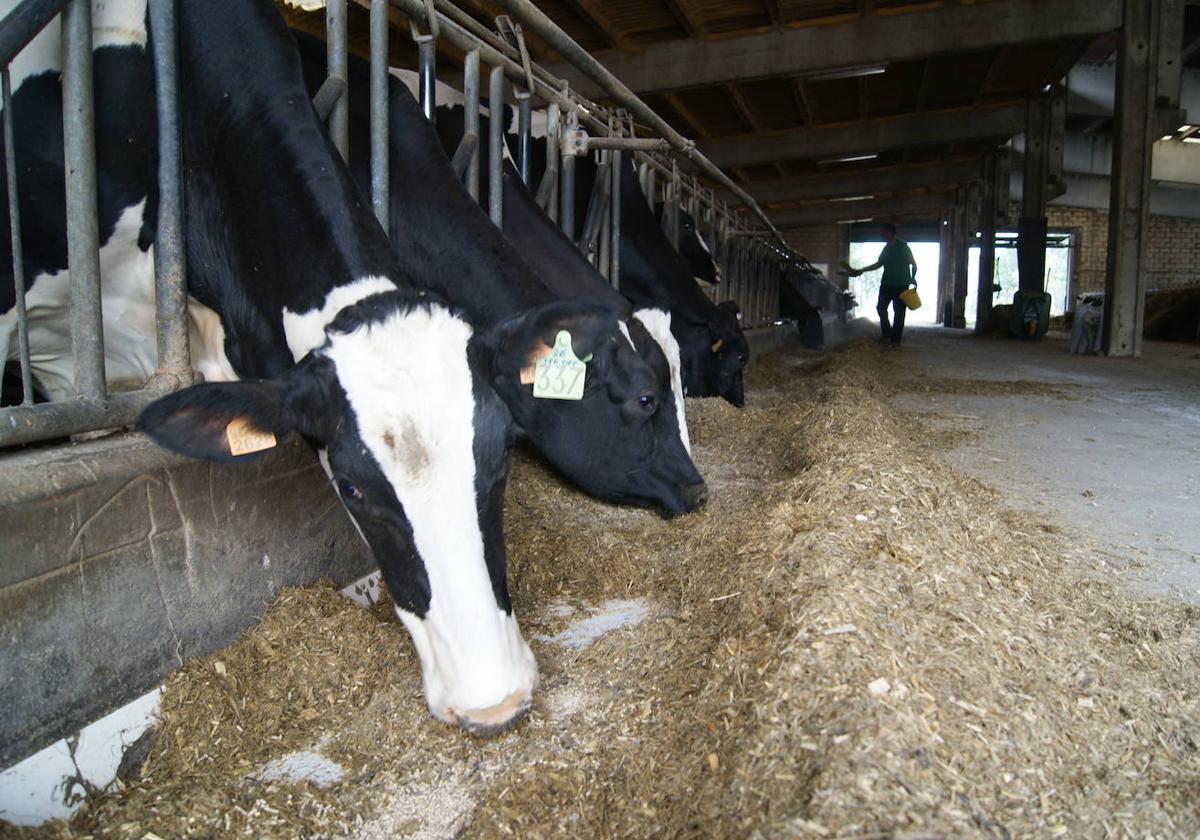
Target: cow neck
275,222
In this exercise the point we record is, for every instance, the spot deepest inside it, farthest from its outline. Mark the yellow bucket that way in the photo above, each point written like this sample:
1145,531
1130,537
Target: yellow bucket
911,299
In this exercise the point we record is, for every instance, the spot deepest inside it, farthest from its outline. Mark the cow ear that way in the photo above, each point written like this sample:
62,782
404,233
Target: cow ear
520,341
235,420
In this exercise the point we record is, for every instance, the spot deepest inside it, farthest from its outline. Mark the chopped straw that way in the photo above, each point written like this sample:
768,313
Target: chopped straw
849,640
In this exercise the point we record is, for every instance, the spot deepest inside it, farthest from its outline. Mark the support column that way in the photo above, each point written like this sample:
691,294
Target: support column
945,298
987,246
1031,230
1129,202
963,228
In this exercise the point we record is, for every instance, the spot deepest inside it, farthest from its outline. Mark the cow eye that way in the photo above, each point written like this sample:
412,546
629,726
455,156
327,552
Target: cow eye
647,402
349,491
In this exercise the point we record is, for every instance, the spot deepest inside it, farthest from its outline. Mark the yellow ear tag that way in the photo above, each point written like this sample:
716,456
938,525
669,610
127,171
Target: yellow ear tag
244,439
559,375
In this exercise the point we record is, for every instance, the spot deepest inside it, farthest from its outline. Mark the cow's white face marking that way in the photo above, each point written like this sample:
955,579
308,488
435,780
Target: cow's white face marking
658,323
624,328
305,331
409,385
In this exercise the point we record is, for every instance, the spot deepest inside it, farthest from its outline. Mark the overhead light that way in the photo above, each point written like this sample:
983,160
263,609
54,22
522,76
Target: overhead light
1185,128
852,198
855,221
848,158
844,73
1191,139
1167,137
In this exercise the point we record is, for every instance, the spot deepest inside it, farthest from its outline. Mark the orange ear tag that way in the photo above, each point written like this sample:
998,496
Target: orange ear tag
716,345
560,374
244,439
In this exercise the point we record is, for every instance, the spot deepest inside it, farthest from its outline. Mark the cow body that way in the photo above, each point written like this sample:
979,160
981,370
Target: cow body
693,248
328,335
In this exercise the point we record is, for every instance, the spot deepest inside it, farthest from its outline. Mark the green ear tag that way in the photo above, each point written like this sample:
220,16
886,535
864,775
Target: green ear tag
559,375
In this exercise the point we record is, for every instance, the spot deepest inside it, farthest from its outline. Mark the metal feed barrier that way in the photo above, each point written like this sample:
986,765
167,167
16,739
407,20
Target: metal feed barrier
752,259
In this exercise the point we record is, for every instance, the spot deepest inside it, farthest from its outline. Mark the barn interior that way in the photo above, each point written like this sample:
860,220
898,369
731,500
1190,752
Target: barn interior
946,591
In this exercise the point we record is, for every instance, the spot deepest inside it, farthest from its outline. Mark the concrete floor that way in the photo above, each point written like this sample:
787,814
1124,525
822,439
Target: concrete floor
1117,461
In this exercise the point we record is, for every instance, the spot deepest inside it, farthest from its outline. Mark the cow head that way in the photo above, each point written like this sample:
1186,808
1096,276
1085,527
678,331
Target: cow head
622,440
418,445
714,352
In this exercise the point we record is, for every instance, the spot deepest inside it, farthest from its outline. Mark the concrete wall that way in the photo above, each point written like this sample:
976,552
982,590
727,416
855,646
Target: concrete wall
119,561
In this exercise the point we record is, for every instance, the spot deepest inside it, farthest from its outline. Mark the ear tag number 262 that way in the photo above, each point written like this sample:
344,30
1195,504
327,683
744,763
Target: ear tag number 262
559,375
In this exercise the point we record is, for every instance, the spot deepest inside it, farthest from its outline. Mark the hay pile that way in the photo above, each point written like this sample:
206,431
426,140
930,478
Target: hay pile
850,640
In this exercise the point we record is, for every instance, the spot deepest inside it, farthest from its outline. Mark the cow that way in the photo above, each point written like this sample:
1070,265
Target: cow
693,248
622,442
308,325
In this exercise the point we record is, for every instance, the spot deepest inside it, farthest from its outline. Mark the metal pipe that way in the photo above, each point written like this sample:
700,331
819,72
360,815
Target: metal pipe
464,153
471,117
567,198
597,206
635,144
602,256
496,145
380,163
170,254
673,206
427,76
29,423
83,235
327,96
338,67
614,248
524,133
23,23
549,202
564,45
18,258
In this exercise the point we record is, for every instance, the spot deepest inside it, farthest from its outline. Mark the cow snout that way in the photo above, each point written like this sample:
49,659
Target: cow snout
695,495
485,723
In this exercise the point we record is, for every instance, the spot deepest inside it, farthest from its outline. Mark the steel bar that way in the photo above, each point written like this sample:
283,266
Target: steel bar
597,205
603,251
524,133
567,193
496,145
170,255
83,235
23,23
29,423
671,214
636,144
328,95
18,258
337,64
530,16
380,162
466,152
549,202
987,248
427,76
471,117
614,248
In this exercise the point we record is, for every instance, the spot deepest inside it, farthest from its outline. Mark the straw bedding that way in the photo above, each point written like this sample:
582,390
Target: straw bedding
850,640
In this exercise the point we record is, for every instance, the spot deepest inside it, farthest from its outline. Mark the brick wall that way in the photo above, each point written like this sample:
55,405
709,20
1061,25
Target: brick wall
827,244
1172,258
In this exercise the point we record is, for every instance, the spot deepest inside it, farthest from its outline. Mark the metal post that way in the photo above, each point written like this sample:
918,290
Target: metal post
170,274
496,145
18,259
1031,237
553,119
83,236
1129,201
524,132
338,66
601,259
567,217
614,248
987,247
471,116
380,173
962,245
427,76
673,205
597,210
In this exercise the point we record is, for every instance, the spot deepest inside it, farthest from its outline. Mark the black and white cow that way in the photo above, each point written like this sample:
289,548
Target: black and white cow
623,441
693,248
301,299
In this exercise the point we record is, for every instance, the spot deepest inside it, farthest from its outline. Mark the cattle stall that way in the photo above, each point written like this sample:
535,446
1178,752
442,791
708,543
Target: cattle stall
190,551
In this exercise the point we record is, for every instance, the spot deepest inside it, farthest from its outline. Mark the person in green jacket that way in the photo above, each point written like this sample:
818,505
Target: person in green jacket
899,272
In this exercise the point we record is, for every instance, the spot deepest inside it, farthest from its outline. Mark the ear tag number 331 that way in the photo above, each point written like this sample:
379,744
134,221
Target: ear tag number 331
559,375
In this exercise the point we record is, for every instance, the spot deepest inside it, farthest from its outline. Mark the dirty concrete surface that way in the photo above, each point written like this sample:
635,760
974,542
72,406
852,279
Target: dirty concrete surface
1113,457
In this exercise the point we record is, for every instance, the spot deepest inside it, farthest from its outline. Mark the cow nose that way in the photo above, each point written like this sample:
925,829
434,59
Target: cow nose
695,495
484,723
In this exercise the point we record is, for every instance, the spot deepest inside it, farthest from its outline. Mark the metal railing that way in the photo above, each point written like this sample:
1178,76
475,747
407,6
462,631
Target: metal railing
91,406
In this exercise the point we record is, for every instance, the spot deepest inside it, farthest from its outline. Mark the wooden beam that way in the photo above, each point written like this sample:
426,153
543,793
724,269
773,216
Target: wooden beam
846,211
866,181
869,136
868,38
591,15
680,11
694,123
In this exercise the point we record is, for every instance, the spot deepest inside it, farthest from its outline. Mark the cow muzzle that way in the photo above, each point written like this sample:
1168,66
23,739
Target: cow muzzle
486,723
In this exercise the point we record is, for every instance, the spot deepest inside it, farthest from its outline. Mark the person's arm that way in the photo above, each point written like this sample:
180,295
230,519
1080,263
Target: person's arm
913,262
854,272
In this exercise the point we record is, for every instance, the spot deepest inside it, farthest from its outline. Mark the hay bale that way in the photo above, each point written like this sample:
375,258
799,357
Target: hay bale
850,639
